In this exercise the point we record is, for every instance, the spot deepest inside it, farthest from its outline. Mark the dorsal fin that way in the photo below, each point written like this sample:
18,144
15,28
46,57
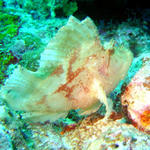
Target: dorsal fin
69,38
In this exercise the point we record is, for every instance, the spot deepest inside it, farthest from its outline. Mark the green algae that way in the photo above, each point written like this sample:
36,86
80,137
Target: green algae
6,58
9,26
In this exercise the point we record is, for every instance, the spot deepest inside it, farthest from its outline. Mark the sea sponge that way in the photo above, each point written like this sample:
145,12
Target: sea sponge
75,72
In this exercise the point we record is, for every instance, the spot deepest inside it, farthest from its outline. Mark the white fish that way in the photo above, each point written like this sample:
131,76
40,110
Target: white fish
75,72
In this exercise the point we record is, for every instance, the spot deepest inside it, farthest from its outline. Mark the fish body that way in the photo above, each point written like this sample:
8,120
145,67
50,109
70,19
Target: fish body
75,72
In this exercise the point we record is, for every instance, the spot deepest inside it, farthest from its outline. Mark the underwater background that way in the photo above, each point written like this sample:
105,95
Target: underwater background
27,27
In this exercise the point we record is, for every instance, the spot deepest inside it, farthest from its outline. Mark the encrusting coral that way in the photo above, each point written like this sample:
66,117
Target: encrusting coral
75,71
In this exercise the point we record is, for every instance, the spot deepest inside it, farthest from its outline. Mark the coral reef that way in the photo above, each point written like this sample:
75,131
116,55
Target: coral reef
75,71
5,140
45,137
136,96
9,25
50,8
11,137
128,34
26,41
94,133
6,58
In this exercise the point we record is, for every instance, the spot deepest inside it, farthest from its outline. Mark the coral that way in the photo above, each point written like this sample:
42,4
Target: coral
49,7
28,51
45,137
9,26
136,96
131,34
69,8
5,140
6,58
95,133
1,4
75,71
30,59
90,133
13,128
18,48
32,41
8,29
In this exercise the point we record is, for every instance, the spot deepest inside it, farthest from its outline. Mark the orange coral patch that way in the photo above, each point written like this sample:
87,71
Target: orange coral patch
68,128
147,85
145,118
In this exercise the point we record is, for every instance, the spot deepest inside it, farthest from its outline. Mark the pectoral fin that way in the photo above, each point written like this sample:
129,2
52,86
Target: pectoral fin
101,94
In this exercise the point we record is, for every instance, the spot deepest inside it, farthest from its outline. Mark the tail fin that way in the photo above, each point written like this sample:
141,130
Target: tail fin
18,86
